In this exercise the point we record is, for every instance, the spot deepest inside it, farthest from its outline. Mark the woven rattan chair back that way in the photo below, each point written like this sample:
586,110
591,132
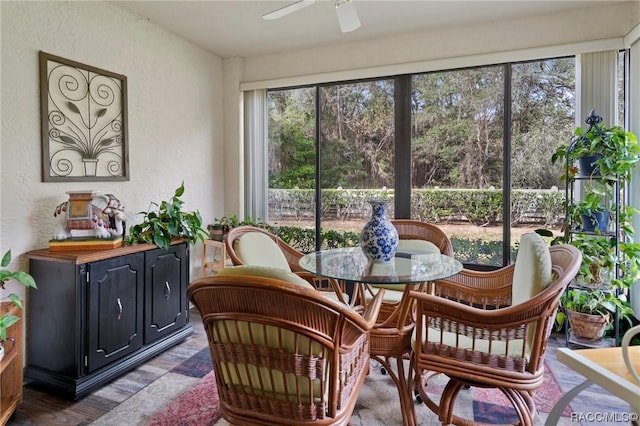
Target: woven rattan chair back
468,331
292,257
282,354
233,236
416,230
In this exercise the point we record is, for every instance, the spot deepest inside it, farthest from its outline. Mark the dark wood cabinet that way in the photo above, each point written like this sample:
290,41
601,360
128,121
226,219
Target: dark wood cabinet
115,301
98,314
165,292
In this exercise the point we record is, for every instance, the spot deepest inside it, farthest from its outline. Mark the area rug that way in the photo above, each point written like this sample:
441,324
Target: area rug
489,403
197,406
377,405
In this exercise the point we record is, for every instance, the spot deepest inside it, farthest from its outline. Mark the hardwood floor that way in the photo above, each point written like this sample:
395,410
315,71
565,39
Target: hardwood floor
41,408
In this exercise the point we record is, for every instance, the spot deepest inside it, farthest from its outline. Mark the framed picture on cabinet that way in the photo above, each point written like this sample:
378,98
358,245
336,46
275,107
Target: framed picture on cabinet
84,122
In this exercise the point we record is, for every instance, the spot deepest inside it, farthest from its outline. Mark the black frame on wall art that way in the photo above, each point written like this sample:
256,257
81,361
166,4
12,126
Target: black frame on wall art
84,122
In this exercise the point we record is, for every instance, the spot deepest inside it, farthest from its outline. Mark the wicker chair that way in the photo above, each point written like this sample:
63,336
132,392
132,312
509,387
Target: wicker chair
490,329
391,336
300,365
250,245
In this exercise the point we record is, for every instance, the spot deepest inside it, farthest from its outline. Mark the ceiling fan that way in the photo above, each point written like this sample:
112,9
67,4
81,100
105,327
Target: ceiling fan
345,9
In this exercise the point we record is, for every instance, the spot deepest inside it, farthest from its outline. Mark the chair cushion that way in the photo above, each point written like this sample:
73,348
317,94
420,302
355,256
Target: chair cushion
460,341
267,272
532,271
276,273
255,248
417,247
240,331
393,293
532,274
247,376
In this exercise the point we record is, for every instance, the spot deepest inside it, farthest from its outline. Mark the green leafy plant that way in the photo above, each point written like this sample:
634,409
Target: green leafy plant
598,259
609,261
617,150
168,222
6,275
231,220
594,302
591,208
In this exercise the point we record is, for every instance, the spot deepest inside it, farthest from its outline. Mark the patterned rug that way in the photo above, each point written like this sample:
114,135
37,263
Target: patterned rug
199,404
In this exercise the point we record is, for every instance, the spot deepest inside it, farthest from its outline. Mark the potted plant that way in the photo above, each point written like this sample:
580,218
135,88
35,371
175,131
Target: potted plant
598,220
610,151
589,311
7,320
592,211
598,260
220,226
168,222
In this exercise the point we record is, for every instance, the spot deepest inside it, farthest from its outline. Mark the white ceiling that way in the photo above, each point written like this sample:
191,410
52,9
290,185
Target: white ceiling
235,28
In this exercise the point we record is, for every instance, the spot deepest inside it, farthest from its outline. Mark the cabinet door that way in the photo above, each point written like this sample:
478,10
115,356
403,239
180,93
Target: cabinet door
166,304
115,303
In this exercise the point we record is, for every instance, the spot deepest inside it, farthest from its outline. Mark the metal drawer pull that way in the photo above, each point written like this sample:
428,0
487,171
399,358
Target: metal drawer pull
119,308
167,290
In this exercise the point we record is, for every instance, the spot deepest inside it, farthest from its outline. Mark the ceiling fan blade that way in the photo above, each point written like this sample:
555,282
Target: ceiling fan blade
347,16
283,11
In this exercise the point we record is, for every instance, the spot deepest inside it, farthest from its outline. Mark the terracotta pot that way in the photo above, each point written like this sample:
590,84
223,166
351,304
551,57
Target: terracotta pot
587,326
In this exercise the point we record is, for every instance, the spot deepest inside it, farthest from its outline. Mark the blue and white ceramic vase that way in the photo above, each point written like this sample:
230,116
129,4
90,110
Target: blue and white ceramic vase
379,238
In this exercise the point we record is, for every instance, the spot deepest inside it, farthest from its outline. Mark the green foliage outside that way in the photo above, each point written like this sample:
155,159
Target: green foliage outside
457,129
478,207
474,251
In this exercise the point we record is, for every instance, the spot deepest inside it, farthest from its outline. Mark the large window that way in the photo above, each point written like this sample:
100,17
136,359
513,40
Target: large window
441,146
458,157
356,150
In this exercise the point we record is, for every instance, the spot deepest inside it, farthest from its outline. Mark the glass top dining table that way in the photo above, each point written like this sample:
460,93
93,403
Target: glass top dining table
350,264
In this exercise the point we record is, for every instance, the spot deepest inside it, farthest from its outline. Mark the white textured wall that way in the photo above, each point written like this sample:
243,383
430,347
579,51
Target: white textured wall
175,115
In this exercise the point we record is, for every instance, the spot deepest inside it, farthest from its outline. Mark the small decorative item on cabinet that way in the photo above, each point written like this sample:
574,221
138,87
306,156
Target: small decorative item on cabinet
88,220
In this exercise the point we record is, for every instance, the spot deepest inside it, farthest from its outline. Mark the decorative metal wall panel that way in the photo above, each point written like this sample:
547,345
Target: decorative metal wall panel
84,122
